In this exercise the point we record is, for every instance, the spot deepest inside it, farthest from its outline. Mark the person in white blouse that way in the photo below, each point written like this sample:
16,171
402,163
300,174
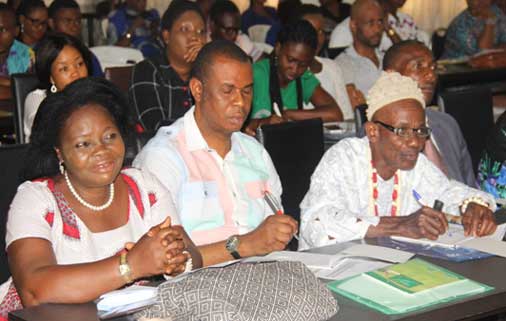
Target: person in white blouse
365,187
60,60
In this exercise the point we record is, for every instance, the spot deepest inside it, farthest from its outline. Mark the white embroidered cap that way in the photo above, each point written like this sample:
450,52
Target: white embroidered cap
391,87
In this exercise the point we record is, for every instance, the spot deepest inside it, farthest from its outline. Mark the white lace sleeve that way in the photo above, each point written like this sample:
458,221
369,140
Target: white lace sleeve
328,214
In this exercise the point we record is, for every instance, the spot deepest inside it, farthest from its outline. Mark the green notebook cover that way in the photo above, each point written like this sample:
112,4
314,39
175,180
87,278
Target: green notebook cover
415,275
390,299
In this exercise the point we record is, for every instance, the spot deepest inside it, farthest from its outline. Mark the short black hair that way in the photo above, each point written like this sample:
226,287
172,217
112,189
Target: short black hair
27,6
307,9
210,51
48,51
176,9
300,31
220,7
6,8
56,109
393,53
57,5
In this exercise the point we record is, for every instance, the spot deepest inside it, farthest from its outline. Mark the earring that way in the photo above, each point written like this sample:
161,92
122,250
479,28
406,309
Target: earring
62,168
53,88
22,28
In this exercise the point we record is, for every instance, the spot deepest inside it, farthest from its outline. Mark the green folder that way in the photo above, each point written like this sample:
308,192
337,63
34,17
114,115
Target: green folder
407,287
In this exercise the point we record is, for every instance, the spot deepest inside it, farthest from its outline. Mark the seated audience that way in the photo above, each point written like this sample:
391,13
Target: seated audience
481,26
80,221
33,18
61,59
283,83
217,175
492,167
159,89
15,57
334,12
446,147
326,70
361,62
131,25
65,17
398,26
259,14
225,23
363,187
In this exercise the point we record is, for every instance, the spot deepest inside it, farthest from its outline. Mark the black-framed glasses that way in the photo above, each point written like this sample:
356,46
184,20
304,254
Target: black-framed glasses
229,30
37,22
406,132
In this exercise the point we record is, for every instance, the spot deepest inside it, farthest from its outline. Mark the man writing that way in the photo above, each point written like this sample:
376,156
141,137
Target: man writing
363,187
217,175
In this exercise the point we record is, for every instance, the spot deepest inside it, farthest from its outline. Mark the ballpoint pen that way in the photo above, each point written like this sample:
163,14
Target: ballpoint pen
455,219
275,207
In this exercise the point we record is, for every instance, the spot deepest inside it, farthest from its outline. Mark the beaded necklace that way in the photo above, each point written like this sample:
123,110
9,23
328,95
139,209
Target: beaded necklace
375,193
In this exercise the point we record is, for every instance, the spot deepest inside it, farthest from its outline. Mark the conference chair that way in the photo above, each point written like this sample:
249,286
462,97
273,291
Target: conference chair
360,116
295,149
472,109
120,76
11,158
22,85
115,56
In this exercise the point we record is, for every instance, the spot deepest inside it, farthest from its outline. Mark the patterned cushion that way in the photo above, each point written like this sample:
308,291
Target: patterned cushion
244,292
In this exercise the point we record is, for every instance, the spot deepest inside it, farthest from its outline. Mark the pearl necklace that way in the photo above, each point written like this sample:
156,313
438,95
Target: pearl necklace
86,204
375,193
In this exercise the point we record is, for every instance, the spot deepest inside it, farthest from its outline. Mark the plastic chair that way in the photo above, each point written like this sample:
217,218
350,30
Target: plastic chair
258,33
22,85
115,56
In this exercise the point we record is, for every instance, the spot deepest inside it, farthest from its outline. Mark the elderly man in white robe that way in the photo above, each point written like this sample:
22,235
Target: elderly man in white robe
364,187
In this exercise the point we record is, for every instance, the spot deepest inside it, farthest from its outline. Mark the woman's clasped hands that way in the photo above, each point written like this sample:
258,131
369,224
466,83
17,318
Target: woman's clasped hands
159,251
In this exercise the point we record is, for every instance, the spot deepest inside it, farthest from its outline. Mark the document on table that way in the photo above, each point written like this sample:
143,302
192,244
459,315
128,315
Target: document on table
351,261
127,300
455,237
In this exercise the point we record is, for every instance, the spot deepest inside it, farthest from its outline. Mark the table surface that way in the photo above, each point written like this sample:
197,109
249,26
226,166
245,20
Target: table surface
489,271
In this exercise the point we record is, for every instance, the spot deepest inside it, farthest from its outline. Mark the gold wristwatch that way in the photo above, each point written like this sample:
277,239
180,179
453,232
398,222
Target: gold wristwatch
124,269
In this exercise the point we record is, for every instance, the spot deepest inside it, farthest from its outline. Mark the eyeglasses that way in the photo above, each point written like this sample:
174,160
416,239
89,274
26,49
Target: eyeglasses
406,132
37,22
228,30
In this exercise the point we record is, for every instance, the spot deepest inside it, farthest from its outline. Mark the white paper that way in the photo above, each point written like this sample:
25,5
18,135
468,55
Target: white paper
126,296
455,237
377,252
349,267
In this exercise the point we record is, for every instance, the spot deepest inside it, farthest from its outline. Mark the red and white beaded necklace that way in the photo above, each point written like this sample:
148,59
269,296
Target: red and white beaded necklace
374,192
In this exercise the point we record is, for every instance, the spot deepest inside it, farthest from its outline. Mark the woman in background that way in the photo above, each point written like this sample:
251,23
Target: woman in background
60,60
33,19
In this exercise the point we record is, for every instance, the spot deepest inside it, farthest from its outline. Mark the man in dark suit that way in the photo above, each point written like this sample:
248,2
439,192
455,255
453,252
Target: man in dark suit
446,147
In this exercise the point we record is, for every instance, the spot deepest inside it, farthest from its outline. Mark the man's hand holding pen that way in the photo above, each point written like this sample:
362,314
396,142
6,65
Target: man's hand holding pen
478,220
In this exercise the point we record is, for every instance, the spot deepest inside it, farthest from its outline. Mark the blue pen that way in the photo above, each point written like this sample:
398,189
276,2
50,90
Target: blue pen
438,205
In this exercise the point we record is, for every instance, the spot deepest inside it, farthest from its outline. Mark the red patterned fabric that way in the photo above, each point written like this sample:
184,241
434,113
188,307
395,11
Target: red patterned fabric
152,199
134,192
11,302
68,216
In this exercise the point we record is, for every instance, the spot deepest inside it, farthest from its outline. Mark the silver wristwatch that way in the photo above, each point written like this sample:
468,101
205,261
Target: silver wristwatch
232,246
